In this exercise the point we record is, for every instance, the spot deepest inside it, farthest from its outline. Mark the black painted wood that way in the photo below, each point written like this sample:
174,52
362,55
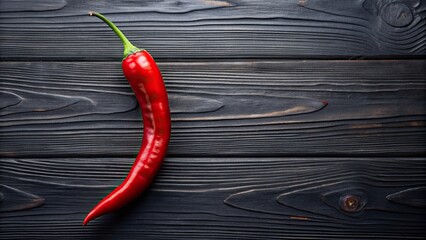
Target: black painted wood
217,198
183,29
234,108
263,147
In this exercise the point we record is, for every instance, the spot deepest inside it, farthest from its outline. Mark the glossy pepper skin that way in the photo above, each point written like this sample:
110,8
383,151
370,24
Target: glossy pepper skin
147,83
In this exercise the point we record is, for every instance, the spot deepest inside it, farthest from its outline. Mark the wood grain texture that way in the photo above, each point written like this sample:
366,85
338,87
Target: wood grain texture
219,198
267,142
273,108
184,29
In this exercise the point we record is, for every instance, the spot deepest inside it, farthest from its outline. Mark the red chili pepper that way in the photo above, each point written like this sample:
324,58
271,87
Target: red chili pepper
146,81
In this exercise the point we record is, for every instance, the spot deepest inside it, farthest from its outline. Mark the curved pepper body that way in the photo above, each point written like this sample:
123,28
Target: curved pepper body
147,83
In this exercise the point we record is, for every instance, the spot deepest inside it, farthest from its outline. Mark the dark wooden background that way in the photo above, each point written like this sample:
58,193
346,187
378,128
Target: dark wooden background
255,153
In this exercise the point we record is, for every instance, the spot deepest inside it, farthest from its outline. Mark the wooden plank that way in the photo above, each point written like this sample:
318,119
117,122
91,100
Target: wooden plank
217,198
273,108
187,29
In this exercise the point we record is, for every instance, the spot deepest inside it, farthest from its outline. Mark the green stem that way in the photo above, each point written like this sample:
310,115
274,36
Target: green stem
128,46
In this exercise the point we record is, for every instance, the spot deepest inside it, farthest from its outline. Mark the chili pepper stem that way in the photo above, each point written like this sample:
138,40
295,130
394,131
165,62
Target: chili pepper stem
129,48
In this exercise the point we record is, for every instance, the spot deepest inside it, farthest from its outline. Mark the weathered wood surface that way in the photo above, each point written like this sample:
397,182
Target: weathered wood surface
234,108
217,198
256,153
186,29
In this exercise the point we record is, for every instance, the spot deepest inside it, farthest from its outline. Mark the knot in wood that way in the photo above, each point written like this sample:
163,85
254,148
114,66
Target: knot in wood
397,14
350,203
